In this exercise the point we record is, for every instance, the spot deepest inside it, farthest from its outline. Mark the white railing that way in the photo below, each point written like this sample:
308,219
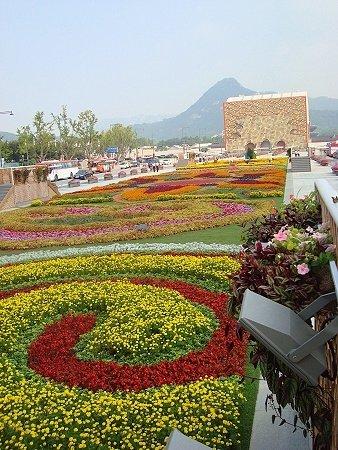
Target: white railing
328,199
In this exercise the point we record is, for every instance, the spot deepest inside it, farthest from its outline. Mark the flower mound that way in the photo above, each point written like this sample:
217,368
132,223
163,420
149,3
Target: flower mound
74,375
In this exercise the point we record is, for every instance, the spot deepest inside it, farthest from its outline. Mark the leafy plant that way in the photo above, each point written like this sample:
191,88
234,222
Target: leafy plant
37,202
299,213
21,175
40,174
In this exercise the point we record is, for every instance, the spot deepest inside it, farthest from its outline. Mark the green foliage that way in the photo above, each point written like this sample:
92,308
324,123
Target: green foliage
21,175
87,136
299,213
122,137
9,150
266,193
40,173
165,197
36,202
68,143
80,200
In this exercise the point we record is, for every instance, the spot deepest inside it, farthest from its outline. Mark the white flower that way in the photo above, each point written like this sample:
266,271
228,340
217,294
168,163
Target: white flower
189,247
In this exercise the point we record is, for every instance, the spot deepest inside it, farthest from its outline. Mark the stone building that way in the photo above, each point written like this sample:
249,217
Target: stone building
264,122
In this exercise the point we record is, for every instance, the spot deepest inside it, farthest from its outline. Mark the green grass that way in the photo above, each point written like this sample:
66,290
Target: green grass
247,410
223,235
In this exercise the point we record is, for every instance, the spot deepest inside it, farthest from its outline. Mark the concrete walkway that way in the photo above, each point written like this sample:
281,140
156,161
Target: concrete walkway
268,436
302,183
265,435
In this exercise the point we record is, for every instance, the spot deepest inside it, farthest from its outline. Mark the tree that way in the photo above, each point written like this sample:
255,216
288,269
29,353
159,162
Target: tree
88,137
121,137
43,138
26,142
68,145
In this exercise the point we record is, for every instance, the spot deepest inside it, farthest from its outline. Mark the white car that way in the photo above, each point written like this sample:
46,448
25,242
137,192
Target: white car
124,165
166,162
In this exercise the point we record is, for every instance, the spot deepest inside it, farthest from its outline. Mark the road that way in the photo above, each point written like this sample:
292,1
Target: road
84,185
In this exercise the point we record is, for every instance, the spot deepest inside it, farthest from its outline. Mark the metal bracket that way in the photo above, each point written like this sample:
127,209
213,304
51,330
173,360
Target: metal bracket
329,332
317,305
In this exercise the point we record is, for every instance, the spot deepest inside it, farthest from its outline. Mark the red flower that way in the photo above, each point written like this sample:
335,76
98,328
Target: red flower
52,355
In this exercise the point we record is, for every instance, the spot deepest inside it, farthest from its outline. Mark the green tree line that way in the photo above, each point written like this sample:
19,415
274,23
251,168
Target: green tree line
61,137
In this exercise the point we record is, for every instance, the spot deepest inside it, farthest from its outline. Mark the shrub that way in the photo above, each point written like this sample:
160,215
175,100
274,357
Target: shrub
37,202
262,194
21,175
40,174
299,213
80,200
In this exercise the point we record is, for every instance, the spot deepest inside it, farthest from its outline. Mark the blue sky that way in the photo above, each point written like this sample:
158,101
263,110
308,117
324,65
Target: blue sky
132,57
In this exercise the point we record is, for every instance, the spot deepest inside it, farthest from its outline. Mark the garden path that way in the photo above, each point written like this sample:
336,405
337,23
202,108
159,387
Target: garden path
268,436
302,183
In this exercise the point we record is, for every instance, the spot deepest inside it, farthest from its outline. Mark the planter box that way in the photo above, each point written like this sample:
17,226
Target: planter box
121,174
73,183
133,172
144,170
93,180
108,176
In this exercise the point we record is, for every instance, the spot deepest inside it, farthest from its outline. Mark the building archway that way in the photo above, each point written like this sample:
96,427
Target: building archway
250,146
281,144
266,145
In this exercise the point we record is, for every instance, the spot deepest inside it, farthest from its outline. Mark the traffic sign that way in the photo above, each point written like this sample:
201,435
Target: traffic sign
112,150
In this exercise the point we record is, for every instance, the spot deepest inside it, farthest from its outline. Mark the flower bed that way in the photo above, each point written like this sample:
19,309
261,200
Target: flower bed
90,379
191,247
194,200
53,225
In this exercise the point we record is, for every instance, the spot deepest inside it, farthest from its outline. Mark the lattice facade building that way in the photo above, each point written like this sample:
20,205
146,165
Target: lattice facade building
266,121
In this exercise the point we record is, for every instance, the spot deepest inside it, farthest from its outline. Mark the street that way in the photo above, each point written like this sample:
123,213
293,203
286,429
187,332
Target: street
84,185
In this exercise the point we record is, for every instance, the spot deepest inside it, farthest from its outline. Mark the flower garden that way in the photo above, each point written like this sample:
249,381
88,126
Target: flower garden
190,199
113,345
97,352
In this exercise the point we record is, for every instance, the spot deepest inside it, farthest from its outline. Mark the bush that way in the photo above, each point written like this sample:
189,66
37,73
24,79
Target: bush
262,194
37,202
299,213
80,200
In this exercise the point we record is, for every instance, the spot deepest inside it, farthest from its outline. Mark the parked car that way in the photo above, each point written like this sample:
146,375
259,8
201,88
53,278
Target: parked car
124,165
166,162
134,164
83,174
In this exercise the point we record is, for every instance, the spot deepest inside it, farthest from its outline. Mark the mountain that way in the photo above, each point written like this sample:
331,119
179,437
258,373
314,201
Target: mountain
142,118
8,136
323,103
205,117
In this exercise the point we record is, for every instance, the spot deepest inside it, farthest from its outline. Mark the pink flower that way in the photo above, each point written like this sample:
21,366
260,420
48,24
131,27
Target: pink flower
282,235
330,248
320,237
303,269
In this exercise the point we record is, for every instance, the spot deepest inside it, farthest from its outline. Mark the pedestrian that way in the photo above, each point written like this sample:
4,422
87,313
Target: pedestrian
154,167
157,166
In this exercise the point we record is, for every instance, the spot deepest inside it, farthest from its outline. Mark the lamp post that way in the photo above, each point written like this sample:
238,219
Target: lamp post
10,112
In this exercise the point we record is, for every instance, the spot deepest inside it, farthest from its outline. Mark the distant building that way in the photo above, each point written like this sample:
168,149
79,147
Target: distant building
266,122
